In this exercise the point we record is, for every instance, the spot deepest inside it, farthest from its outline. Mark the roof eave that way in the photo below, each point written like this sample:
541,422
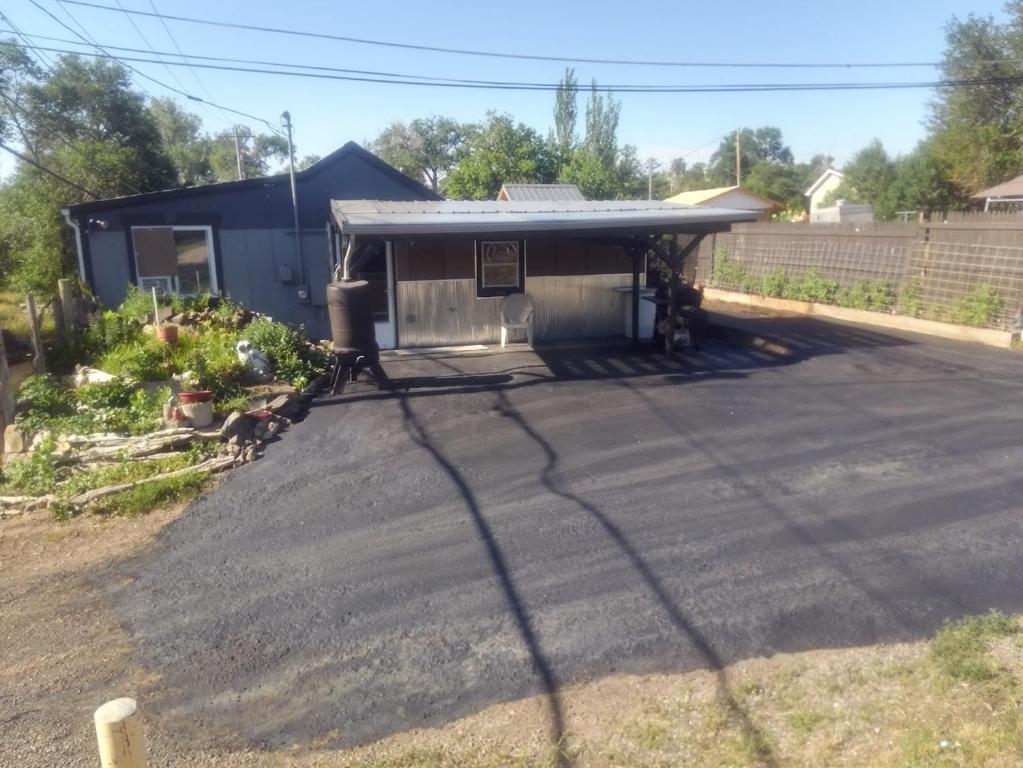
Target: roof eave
646,224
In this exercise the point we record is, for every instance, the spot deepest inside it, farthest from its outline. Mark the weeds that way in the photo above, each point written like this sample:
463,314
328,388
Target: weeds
870,295
960,649
980,307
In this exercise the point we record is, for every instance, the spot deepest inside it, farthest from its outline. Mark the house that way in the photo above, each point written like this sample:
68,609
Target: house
843,212
451,263
735,197
519,192
825,184
235,238
1007,193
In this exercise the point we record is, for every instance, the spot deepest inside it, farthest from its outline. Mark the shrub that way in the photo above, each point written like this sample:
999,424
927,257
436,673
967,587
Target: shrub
293,358
911,297
41,400
812,286
120,407
776,284
137,305
980,307
212,358
732,275
872,295
144,359
34,474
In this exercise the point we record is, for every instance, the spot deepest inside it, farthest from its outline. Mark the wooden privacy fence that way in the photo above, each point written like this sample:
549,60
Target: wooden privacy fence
966,265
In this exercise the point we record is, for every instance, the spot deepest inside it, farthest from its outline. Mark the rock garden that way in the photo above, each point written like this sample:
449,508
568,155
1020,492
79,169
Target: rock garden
142,404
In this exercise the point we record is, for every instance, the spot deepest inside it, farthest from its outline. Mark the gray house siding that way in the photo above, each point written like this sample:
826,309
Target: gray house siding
251,223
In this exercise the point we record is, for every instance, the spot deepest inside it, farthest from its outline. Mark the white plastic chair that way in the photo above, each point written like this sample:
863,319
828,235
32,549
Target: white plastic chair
517,314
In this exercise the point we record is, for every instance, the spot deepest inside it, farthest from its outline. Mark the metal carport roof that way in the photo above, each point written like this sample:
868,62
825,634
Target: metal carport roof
384,217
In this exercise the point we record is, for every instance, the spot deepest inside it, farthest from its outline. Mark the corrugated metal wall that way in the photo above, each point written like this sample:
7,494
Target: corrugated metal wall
578,306
443,312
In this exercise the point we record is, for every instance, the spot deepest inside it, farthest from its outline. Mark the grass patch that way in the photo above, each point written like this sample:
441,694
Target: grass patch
145,498
961,648
805,721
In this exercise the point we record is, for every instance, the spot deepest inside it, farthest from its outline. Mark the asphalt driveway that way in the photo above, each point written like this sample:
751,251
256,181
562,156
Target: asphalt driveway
508,525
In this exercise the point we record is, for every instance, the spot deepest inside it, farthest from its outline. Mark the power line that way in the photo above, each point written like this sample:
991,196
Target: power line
311,67
174,42
145,40
179,91
502,55
149,48
17,31
64,140
46,170
511,86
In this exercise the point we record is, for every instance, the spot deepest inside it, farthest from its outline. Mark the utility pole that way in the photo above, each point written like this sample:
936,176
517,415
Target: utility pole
738,159
238,152
650,165
286,119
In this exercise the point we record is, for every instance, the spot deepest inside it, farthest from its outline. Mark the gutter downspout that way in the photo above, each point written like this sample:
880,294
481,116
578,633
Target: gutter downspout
66,215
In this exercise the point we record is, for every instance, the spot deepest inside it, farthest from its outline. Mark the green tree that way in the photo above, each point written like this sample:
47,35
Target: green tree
565,112
424,149
259,151
782,183
869,178
921,182
498,152
602,116
84,122
183,141
307,161
695,177
676,175
978,130
762,145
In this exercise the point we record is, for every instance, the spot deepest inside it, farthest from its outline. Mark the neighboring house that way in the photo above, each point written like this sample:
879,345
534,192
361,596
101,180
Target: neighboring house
826,183
454,261
1007,193
519,192
236,238
735,197
843,213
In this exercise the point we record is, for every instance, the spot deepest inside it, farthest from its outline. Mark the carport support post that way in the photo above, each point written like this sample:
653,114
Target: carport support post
119,734
635,296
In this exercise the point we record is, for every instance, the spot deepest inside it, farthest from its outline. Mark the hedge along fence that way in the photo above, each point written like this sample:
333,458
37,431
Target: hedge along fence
967,271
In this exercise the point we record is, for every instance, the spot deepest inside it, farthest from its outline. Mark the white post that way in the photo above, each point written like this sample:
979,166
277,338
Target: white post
156,309
119,733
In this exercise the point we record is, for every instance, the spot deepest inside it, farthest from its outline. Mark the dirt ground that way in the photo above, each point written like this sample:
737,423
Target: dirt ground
62,654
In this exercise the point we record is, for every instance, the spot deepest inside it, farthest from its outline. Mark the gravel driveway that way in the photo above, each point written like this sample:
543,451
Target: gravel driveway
405,560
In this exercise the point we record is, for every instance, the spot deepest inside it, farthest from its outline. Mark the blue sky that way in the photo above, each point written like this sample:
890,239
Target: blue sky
328,113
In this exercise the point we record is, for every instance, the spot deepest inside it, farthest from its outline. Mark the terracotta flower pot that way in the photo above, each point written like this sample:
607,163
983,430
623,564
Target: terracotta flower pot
199,396
168,334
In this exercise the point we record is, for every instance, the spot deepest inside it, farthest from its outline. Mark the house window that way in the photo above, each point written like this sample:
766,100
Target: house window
175,260
500,266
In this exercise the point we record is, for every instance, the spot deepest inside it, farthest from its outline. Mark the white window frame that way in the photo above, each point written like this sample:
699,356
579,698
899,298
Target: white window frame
210,255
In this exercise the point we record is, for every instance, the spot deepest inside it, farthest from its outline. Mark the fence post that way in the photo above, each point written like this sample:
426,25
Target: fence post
119,734
6,395
38,356
66,292
58,317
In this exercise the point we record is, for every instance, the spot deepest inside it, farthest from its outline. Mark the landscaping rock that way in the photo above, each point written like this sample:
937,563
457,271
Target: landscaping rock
286,405
16,440
38,439
237,424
